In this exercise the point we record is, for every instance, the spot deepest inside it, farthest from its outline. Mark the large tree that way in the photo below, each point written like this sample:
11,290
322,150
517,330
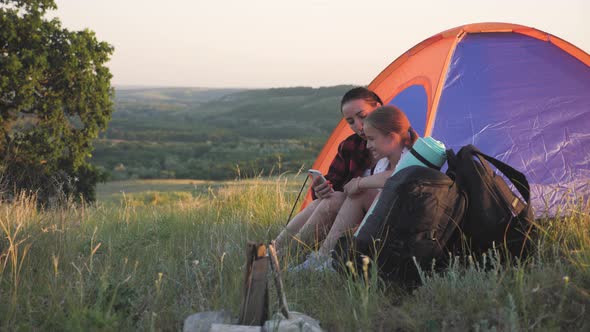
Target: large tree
55,98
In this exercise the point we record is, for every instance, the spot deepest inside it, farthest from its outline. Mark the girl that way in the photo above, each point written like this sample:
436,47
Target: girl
389,134
353,160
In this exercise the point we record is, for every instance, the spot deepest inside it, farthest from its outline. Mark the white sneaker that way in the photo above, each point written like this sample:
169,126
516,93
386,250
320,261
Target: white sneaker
314,262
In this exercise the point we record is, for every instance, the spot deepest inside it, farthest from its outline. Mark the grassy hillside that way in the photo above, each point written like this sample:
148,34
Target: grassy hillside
145,260
216,134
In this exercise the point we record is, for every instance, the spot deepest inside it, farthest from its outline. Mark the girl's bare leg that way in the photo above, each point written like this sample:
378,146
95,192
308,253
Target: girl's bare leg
350,215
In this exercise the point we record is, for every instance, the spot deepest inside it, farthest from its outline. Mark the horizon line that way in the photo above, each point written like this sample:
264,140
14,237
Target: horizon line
148,86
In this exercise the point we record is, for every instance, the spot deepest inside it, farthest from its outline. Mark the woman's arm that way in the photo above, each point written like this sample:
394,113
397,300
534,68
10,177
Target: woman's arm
375,181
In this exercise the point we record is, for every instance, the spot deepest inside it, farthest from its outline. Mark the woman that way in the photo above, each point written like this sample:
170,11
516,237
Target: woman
353,160
389,134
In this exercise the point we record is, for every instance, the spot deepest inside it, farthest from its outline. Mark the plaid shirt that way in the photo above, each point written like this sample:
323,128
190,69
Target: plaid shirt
352,160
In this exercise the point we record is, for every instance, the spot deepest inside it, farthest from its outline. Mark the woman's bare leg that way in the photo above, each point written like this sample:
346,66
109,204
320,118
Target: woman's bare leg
321,219
350,215
295,225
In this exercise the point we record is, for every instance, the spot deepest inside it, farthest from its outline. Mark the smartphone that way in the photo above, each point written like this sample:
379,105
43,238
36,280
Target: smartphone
317,174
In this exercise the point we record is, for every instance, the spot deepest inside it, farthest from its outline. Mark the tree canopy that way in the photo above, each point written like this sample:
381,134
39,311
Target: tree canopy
55,98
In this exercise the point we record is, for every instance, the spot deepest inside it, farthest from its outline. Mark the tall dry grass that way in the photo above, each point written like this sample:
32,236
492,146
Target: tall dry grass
145,263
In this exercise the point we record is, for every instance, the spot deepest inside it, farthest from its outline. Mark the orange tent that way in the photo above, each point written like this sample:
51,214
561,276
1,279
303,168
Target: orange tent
495,69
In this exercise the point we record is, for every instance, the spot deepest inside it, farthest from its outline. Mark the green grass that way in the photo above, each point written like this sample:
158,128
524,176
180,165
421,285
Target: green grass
132,262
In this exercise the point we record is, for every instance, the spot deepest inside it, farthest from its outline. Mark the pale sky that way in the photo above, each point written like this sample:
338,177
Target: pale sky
277,43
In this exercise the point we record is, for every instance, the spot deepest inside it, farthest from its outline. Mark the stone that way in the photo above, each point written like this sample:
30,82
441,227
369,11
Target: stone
234,328
297,323
203,321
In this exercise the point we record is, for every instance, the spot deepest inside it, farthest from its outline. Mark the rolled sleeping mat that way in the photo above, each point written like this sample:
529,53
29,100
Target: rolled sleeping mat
426,152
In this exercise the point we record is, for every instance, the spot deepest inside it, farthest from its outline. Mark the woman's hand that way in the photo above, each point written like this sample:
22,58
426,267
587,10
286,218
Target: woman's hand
322,190
353,187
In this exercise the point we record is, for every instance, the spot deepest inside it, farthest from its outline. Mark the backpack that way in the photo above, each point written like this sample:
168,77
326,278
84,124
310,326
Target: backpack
417,214
424,214
494,215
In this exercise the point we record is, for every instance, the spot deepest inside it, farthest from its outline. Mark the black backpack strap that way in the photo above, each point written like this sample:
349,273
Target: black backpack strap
517,178
451,163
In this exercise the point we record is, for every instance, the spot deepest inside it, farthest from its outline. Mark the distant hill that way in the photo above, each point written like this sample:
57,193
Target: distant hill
216,133
185,95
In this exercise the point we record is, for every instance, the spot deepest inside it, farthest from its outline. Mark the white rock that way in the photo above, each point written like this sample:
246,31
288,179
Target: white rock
297,323
234,328
203,321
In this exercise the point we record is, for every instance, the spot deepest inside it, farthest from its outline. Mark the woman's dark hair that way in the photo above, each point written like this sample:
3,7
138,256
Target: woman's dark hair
361,93
390,119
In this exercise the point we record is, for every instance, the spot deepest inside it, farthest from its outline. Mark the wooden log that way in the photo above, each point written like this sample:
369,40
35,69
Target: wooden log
254,310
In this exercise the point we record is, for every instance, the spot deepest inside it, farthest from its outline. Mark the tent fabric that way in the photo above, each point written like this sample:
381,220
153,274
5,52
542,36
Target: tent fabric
517,93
